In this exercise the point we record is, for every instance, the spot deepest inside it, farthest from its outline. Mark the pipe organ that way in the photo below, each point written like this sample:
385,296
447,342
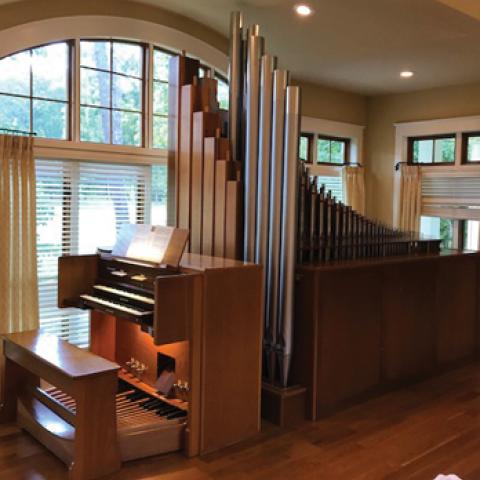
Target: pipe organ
168,368
328,230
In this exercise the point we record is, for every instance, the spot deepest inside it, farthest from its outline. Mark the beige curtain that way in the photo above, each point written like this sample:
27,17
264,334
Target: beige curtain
18,256
354,188
410,197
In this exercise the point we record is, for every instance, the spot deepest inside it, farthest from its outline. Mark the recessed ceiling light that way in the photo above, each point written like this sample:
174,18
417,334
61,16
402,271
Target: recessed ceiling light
406,74
303,10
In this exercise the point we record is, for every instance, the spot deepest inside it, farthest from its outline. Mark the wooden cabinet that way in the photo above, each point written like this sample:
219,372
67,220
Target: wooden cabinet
366,326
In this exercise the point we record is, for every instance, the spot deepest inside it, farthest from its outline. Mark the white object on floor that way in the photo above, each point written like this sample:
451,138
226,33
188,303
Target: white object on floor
447,477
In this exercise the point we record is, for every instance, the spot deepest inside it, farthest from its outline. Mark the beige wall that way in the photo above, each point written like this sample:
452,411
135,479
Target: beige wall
332,104
26,11
383,112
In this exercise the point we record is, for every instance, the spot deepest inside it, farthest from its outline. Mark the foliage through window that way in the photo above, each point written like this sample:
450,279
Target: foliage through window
471,147
161,61
305,147
432,150
332,150
111,92
442,228
34,91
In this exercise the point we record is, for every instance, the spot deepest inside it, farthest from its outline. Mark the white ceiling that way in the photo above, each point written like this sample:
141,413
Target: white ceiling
358,45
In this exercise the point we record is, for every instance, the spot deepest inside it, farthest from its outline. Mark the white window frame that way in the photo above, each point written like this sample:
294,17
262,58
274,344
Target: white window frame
455,125
34,34
329,128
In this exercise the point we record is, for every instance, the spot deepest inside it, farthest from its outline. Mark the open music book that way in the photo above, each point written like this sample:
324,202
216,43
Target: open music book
150,243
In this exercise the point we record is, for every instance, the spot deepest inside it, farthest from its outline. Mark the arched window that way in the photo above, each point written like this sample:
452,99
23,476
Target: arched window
34,91
121,87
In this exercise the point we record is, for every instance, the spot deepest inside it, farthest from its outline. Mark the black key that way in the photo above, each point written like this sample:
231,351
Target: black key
153,405
165,410
179,414
136,396
149,402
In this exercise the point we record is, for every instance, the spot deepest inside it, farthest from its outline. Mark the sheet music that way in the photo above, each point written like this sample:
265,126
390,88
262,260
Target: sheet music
143,242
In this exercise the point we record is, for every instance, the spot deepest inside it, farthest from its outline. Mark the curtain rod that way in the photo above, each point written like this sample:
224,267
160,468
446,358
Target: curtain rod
397,165
20,132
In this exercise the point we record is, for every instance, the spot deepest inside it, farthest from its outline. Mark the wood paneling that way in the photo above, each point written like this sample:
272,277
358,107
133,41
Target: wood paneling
366,326
408,304
205,124
350,336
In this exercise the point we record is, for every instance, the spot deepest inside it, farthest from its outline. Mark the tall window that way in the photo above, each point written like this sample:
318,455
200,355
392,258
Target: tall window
332,150
222,92
431,150
161,61
82,206
34,91
111,92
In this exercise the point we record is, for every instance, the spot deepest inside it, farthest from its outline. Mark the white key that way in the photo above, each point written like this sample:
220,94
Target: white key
125,294
102,301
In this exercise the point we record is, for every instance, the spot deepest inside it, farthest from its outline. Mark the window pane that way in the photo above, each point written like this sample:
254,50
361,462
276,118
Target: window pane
14,113
473,149
127,93
471,235
94,88
332,184
95,54
160,98
337,152
160,132
50,71
94,125
15,74
127,128
435,227
127,59
444,150
422,151
50,119
159,195
161,65
303,153
223,94
323,150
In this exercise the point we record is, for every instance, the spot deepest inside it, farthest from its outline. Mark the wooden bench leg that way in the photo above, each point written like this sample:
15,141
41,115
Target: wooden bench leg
96,450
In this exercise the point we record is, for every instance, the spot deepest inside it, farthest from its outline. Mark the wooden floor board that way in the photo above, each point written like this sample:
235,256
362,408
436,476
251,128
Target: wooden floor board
415,433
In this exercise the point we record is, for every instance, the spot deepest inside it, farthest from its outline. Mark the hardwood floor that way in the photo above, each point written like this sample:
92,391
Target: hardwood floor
415,433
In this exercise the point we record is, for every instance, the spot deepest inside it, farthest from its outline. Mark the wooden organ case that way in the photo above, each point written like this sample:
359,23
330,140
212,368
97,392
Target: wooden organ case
201,321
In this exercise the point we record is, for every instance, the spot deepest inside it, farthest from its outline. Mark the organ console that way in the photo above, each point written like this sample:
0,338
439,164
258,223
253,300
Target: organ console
168,367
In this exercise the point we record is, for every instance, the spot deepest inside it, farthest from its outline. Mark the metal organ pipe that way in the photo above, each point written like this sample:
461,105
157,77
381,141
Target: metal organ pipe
263,183
235,76
289,229
280,80
252,90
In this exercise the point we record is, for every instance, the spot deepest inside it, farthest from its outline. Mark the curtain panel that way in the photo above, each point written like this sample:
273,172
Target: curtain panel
354,188
410,197
18,259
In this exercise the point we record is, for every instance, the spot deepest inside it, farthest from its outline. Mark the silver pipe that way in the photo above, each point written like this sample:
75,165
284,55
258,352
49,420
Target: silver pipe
264,149
288,229
263,190
255,47
280,80
235,76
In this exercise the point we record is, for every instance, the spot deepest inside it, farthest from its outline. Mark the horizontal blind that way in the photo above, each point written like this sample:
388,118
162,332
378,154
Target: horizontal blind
333,184
447,191
81,206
